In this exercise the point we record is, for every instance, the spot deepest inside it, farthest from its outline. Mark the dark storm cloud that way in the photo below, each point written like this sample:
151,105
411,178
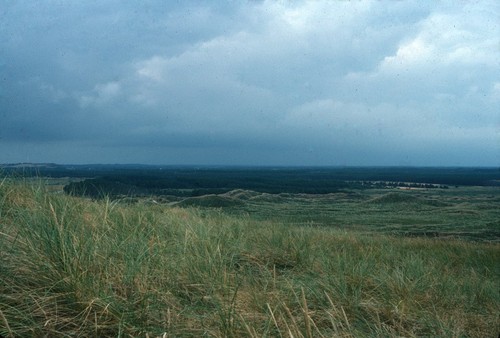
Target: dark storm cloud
250,82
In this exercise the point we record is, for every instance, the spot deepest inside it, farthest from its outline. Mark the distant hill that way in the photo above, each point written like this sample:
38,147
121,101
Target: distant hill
30,165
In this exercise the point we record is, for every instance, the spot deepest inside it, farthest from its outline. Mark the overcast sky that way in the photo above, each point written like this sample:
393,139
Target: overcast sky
250,82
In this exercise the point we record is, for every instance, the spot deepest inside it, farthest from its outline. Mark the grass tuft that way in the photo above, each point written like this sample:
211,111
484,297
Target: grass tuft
75,267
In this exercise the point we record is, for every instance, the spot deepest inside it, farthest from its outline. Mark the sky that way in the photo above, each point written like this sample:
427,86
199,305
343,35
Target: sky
306,83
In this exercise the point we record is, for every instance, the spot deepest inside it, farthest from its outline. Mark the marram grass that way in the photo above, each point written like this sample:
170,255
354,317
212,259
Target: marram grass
80,268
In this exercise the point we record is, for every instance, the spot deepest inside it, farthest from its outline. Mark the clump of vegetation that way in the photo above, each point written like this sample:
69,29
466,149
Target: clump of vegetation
75,267
210,201
402,198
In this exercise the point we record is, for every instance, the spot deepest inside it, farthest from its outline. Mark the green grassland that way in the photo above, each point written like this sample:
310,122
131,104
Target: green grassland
248,264
433,202
471,213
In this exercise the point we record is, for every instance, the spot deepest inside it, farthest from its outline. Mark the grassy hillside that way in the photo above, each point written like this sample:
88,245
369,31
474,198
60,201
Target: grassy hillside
469,213
75,267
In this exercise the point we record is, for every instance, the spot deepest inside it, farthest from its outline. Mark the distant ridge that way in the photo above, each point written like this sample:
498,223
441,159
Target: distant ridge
317,180
30,165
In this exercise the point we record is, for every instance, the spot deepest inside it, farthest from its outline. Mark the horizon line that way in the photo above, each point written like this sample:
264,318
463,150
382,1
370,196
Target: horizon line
26,164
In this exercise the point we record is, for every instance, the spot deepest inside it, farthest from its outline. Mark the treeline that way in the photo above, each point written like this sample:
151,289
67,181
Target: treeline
190,184
190,175
112,180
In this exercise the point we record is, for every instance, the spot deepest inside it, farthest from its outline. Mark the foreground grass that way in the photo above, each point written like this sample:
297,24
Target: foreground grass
73,267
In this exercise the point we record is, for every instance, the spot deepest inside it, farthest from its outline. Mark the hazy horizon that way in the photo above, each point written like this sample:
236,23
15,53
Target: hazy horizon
256,166
251,83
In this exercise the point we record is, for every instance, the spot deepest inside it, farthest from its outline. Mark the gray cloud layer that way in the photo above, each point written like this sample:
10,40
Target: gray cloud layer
323,82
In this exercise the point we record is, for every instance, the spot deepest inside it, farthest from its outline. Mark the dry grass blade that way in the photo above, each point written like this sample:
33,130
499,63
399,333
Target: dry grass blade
10,334
307,319
274,320
293,322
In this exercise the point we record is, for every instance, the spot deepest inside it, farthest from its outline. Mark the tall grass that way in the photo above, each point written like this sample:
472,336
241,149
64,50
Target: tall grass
81,268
